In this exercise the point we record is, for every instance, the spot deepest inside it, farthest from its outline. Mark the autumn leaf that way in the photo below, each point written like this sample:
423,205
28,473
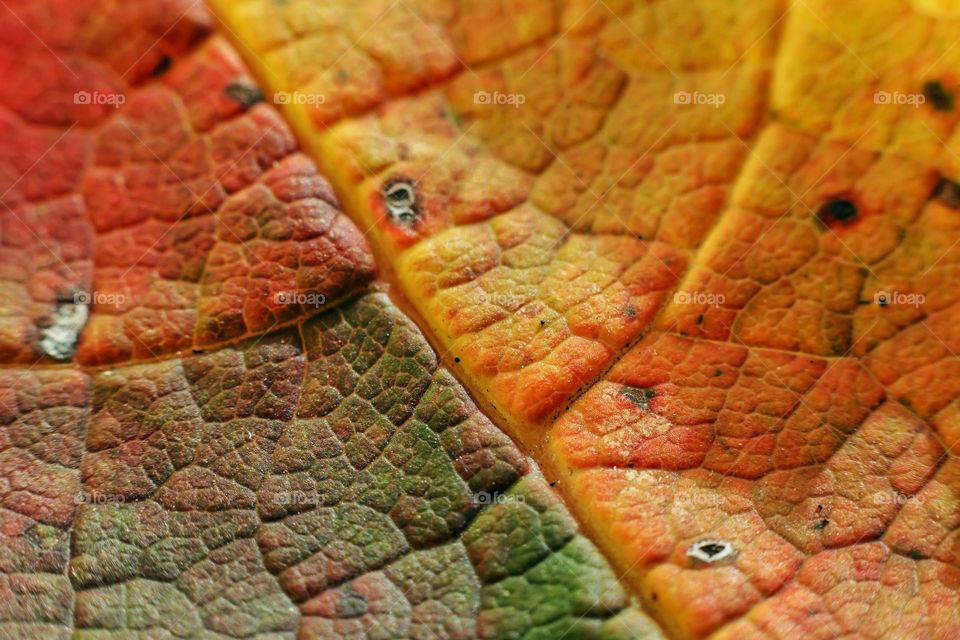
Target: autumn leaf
214,424
696,264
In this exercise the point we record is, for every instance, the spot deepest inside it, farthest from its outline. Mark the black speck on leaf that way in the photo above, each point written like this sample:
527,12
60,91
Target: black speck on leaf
837,210
161,67
937,94
243,93
948,192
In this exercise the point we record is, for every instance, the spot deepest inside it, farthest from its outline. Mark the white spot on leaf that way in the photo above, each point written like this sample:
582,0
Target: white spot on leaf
59,339
710,550
400,199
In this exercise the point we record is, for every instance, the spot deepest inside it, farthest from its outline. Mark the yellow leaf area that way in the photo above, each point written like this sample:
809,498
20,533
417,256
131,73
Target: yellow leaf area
701,257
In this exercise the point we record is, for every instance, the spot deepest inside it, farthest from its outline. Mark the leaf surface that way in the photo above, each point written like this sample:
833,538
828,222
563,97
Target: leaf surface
213,423
699,257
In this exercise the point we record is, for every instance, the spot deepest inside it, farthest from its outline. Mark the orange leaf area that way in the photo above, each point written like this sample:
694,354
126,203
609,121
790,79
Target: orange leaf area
702,259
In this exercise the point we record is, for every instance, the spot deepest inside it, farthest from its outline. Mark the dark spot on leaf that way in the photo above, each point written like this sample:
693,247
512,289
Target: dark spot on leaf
836,210
243,93
821,524
631,311
948,192
700,318
717,373
916,554
639,396
161,67
937,94
456,359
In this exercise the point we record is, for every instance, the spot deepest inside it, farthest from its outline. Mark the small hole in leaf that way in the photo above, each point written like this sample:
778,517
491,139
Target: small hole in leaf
939,97
948,192
710,550
839,210
400,198
400,194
